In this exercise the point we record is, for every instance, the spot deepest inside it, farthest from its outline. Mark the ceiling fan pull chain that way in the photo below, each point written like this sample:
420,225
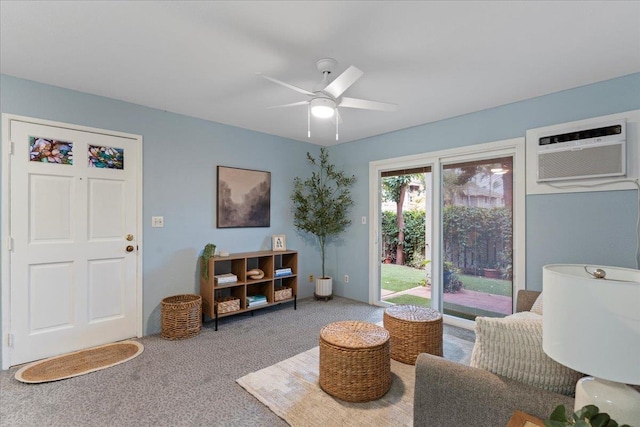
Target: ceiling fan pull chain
337,121
309,121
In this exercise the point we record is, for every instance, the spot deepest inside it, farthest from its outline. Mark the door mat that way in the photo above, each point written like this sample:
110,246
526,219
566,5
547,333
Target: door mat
79,362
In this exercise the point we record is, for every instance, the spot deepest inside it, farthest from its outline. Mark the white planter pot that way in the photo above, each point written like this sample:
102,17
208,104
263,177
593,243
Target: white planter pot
324,286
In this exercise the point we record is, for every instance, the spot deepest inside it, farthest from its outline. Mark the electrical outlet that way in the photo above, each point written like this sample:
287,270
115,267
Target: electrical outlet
310,278
346,278
157,221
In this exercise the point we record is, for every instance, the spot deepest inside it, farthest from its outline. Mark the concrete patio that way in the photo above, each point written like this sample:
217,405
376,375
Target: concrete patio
480,300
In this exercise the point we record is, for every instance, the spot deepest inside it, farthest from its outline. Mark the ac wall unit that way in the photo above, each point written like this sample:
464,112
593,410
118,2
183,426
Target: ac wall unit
587,152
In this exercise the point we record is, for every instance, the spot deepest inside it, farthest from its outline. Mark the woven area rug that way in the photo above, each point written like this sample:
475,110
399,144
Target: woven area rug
290,389
79,362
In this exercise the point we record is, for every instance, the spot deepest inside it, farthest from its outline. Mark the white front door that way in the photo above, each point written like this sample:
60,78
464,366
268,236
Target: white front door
74,255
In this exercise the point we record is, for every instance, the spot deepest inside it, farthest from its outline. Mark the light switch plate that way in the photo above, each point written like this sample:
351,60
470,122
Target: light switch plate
157,221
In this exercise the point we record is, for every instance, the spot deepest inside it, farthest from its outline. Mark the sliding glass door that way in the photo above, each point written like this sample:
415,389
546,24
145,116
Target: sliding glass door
448,230
405,268
477,237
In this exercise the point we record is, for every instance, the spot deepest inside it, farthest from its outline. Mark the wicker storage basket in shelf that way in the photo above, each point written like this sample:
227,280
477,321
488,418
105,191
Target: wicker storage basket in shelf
283,293
181,316
227,305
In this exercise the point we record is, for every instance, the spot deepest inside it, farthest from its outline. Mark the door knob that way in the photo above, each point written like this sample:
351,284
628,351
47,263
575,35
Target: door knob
129,248
129,237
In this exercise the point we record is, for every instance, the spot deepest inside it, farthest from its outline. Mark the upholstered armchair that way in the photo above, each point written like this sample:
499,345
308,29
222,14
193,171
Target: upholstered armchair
510,373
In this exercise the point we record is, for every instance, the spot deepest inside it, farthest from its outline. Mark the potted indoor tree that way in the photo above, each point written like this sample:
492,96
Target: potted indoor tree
320,207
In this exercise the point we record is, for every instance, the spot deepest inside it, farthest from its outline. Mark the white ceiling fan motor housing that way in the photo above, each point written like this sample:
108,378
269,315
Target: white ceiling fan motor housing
323,107
326,65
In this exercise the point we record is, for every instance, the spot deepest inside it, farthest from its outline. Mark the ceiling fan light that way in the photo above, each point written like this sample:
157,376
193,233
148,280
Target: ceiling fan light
499,171
323,108
322,111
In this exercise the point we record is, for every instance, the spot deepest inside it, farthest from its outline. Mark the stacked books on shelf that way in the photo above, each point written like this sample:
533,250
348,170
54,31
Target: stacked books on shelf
256,300
222,279
285,271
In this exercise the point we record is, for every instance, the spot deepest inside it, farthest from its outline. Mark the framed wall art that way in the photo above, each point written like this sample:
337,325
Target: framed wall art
244,198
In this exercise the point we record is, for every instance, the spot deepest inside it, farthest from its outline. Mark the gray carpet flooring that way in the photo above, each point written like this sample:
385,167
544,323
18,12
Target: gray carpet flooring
185,383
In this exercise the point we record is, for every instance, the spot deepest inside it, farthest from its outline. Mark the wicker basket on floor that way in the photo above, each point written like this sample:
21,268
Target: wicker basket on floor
181,316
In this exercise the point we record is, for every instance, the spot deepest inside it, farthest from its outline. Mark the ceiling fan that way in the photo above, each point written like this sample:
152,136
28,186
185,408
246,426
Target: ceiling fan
326,97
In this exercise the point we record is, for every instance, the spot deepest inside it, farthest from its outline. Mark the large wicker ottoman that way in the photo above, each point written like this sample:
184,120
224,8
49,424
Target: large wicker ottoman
413,330
354,361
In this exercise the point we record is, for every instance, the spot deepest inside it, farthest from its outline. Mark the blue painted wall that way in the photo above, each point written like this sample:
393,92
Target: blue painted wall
577,228
179,177
181,153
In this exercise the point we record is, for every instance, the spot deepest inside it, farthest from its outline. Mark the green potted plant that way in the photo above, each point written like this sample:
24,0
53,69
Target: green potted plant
588,416
320,207
450,280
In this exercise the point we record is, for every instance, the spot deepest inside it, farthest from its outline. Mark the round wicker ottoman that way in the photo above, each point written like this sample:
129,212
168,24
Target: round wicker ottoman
354,361
413,330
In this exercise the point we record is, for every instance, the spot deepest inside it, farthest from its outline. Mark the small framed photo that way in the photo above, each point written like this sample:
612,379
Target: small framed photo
278,242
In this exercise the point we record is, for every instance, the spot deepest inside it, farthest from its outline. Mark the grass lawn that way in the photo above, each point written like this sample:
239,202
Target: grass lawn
400,277
488,286
410,299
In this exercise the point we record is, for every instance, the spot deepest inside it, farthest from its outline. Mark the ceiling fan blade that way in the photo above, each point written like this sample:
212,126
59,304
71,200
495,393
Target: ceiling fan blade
289,105
365,104
343,81
280,82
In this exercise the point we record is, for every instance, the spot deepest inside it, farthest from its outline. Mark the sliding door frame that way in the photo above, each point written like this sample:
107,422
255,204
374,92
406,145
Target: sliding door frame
511,147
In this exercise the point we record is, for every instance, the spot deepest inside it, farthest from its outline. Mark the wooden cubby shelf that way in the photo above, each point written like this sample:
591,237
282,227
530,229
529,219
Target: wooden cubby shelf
217,299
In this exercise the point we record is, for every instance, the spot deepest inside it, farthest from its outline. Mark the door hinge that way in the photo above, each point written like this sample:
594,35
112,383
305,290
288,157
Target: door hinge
12,147
9,340
10,244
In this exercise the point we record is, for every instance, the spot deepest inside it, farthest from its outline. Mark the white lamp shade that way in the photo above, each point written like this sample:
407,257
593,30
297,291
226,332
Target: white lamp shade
593,325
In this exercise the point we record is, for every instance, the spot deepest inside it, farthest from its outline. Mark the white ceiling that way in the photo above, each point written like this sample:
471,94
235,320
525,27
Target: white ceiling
434,59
